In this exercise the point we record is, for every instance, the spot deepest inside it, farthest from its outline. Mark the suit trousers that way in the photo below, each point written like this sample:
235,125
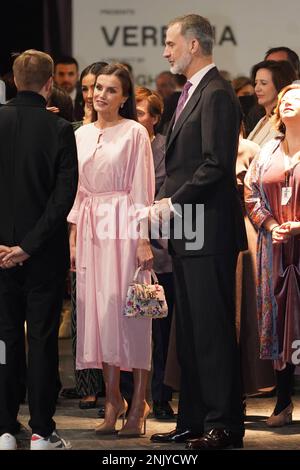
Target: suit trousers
210,394
160,337
26,295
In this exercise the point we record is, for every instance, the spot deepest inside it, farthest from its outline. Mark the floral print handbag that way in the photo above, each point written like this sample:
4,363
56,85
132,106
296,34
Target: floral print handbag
145,300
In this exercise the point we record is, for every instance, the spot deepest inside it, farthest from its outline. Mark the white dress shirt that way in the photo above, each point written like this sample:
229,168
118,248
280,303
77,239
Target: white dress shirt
196,79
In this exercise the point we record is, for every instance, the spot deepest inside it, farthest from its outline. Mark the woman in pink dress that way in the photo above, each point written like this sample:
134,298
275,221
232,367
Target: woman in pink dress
272,196
116,182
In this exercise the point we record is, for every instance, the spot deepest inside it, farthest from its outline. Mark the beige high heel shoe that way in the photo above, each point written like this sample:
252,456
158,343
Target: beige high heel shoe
108,426
140,428
285,417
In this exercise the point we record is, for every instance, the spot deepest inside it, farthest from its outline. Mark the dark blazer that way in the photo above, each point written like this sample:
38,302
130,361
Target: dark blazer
78,104
201,153
38,178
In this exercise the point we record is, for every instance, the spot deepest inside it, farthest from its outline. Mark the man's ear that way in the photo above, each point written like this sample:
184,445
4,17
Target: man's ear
49,84
45,91
195,46
47,88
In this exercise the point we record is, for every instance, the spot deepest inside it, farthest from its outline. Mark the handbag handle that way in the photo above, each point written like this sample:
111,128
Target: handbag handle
153,275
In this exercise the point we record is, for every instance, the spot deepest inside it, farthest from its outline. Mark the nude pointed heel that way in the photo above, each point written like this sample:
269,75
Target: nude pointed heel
105,429
140,429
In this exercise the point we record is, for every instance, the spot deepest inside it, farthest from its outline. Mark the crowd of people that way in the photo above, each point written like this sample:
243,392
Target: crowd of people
88,163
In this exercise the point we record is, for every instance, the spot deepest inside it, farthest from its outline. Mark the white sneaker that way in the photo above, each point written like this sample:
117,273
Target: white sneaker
52,442
8,442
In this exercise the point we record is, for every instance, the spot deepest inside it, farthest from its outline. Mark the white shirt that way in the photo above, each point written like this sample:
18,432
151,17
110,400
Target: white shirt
73,96
196,79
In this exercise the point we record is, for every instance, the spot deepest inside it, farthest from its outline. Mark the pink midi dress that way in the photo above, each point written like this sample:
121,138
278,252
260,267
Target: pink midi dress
115,172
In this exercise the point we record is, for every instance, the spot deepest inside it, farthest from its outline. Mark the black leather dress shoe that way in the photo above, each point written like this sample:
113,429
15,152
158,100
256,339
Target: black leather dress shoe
70,393
101,412
177,435
162,410
216,439
87,405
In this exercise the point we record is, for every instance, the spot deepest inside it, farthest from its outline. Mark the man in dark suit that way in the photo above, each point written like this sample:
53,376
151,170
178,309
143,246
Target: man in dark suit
201,150
66,75
38,182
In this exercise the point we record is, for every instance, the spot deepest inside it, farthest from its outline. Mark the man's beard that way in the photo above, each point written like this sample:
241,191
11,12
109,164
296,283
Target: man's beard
68,87
181,64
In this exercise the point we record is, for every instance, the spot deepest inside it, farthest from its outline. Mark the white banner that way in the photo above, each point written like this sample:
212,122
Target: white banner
133,31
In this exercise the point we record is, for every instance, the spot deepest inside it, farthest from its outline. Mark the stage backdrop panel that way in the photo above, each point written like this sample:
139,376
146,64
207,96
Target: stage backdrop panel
133,31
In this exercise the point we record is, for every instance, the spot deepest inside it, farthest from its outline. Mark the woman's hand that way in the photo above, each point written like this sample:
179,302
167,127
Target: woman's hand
72,241
88,114
285,231
279,236
144,254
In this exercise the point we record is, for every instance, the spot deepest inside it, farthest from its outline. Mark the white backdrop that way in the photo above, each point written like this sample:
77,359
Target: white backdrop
132,31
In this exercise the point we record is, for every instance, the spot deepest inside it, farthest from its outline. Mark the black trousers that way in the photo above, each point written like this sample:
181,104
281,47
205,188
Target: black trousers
210,394
26,295
160,337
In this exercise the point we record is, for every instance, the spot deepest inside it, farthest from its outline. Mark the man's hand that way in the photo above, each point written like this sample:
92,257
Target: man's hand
14,256
4,250
161,211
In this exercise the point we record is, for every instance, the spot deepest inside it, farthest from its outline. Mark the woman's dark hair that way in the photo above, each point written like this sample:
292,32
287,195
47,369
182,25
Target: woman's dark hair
282,72
118,70
61,100
93,68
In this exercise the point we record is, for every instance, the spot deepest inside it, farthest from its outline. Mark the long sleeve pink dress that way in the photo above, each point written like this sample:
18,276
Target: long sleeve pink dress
115,173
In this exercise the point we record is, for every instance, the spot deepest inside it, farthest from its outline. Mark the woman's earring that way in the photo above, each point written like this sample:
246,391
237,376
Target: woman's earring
122,105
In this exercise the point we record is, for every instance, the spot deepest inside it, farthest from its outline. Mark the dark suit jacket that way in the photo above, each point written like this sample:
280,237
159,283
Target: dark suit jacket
78,105
201,154
38,179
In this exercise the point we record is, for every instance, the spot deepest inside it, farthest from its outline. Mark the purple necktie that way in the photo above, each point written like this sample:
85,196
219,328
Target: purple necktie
182,99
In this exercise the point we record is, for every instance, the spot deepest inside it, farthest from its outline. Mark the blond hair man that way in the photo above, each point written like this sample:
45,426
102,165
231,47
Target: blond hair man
38,182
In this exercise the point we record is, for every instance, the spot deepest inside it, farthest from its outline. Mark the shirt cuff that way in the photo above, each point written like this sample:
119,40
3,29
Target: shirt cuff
172,208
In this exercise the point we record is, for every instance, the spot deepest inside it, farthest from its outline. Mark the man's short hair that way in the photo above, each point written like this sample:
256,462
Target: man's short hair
198,27
67,60
32,69
292,56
